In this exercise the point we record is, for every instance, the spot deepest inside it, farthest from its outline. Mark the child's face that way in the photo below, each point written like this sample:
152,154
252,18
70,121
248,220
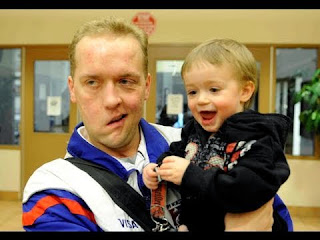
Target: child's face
214,94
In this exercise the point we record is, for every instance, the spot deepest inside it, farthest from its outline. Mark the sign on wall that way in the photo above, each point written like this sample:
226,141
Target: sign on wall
54,105
145,21
174,103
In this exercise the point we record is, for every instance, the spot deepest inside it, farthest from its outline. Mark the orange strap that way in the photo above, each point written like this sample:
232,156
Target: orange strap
158,205
158,200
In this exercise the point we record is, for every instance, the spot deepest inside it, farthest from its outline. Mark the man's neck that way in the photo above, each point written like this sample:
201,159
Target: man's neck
128,151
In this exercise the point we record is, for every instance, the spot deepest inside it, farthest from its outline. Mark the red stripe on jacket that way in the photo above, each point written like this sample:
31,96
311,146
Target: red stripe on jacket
28,218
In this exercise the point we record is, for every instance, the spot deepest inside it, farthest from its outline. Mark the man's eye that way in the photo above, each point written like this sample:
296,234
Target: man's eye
91,82
124,81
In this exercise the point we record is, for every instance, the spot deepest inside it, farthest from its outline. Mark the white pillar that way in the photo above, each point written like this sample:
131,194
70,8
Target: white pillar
296,138
278,97
284,106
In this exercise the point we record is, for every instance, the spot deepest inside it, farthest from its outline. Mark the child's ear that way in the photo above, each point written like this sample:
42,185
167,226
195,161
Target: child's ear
247,91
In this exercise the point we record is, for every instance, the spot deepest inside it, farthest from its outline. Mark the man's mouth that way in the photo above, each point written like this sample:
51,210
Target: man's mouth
117,119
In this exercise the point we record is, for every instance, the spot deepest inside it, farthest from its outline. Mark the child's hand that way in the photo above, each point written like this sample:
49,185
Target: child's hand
149,176
183,228
173,168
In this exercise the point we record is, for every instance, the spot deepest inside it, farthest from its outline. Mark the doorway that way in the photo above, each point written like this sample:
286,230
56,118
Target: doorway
49,116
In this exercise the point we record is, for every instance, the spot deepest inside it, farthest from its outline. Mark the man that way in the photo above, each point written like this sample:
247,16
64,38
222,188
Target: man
109,82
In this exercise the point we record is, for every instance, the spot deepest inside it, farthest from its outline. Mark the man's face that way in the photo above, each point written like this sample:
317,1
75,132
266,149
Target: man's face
110,89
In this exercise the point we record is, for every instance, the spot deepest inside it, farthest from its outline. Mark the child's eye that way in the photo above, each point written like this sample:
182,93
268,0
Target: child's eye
214,89
192,92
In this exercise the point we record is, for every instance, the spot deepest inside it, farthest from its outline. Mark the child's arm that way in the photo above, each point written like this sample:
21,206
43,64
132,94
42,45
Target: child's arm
249,184
178,148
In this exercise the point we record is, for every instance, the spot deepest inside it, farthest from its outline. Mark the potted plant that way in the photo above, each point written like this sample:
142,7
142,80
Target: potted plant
310,95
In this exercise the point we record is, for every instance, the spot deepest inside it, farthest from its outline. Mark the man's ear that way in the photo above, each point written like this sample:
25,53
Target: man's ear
148,87
71,89
247,91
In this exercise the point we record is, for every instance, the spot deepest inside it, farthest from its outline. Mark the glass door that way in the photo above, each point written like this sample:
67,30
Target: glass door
49,115
164,65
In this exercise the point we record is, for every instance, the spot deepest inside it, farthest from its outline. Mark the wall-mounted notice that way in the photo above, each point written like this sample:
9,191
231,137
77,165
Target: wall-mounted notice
145,21
54,105
174,103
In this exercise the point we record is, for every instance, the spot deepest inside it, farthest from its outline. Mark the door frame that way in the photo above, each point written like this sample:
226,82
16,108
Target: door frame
30,156
161,52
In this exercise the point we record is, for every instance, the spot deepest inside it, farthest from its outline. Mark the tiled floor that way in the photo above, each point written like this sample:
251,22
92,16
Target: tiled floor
10,219
10,216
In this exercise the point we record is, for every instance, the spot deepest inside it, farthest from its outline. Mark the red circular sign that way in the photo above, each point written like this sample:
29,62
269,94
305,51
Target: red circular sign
145,21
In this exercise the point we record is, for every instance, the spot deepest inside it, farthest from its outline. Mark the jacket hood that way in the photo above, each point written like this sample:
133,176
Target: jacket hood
252,123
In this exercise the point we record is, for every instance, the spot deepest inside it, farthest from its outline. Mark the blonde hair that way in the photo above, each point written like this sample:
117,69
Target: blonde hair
110,25
221,51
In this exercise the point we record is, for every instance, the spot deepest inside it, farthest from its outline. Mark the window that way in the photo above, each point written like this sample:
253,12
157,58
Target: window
51,96
169,82
10,73
295,67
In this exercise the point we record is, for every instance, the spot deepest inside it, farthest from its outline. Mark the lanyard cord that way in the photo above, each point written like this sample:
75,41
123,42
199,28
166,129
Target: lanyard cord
158,205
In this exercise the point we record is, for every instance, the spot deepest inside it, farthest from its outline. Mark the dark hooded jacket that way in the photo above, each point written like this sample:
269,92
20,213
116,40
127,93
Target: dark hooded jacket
238,169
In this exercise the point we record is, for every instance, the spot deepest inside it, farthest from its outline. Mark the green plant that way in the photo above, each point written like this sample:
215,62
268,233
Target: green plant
310,95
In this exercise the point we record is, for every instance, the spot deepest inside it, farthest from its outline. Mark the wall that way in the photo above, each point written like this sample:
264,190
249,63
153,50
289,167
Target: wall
301,188
48,26
175,27
10,170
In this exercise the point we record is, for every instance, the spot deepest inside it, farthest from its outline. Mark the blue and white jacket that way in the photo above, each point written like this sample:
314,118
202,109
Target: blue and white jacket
61,197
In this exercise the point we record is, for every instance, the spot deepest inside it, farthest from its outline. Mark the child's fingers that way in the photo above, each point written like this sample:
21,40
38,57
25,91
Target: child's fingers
183,228
165,166
164,173
152,179
150,170
152,173
168,159
152,184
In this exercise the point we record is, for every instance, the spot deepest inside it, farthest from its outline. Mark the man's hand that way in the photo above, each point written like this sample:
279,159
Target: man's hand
258,220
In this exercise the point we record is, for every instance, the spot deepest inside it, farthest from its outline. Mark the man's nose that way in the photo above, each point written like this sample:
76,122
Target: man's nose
111,96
